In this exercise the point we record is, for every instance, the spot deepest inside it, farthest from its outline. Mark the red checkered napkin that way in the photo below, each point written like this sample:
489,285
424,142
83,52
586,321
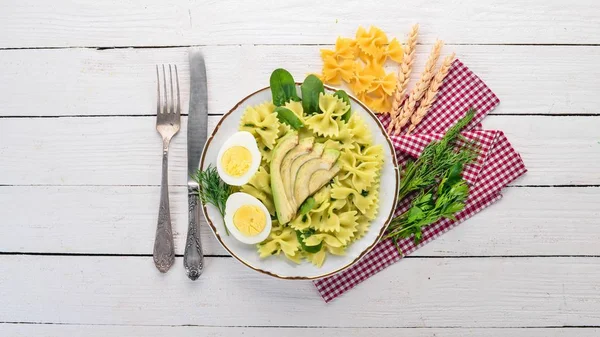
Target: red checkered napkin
497,165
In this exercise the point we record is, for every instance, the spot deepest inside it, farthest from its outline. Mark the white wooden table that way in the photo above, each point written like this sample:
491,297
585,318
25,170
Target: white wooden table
80,168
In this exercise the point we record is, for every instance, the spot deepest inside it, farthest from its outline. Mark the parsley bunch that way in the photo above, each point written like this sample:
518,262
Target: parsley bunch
432,205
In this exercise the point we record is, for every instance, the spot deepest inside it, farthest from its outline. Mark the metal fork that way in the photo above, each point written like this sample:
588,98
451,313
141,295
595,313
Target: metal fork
168,117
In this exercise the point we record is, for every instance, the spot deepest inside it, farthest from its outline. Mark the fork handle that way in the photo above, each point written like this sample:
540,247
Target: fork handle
164,251
193,258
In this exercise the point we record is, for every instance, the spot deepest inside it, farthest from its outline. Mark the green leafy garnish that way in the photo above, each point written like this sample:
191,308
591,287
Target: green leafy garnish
212,190
311,88
305,235
436,178
437,158
307,205
283,87
341,94
431,206
288,117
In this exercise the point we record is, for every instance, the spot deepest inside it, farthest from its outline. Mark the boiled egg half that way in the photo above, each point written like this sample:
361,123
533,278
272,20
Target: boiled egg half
246,218
238,159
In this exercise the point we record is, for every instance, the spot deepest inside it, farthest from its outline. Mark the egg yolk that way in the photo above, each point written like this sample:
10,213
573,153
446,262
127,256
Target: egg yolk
236,161
250,220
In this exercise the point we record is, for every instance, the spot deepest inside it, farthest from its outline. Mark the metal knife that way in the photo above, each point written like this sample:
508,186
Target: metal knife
193,258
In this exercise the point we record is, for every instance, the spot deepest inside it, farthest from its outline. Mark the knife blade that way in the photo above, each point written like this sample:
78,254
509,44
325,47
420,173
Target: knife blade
193,258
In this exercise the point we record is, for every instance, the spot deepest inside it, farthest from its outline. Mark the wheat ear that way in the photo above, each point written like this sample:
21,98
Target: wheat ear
420,88
431,93
404,73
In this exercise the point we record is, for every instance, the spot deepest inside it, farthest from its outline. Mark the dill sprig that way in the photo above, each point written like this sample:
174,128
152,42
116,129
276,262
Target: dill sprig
437,158
212,190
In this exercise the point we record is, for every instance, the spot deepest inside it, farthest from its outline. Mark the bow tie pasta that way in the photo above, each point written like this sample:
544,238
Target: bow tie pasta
344,206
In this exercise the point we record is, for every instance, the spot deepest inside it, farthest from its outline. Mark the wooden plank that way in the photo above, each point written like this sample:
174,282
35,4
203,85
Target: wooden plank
121,220
45,330
138,23
122,81
450,292
127,150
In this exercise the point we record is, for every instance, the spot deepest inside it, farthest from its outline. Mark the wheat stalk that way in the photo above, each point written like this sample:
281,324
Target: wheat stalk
404,73
420,88
431,93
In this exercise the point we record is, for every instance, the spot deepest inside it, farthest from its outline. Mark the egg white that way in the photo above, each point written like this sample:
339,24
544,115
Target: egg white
234,202
244,139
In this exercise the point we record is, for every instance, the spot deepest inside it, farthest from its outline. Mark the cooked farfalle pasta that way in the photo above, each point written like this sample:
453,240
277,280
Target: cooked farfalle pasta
371,211
362,227
331,144
360,174
317,258
344,207
360,131
327,238
325,124
296,108
345,136
343,189
332,105
281,239
347,227
261,121
259,186
371,153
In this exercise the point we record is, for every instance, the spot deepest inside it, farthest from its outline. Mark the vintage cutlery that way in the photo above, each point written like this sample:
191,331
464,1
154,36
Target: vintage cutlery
168,115
193,258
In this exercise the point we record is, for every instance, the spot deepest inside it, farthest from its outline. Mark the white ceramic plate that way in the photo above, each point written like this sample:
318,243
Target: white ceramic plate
278,266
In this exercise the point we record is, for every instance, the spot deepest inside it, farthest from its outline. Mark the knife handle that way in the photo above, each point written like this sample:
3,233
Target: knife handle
193,258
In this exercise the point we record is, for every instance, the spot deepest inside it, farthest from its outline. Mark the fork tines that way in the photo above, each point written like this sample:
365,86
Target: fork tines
168,104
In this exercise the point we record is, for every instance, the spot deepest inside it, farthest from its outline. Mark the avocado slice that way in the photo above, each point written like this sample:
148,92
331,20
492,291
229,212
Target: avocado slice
304,146
325,162
321,178
282,206
316,152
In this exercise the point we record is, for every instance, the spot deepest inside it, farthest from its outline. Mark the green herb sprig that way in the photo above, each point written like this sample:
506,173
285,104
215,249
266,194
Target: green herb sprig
212,190
437,158
436,179
429,207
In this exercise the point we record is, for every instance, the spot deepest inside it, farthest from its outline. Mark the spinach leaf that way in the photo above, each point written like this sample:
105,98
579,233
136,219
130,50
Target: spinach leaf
288,117
307,205
311,88
283,87
344,97
309,249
